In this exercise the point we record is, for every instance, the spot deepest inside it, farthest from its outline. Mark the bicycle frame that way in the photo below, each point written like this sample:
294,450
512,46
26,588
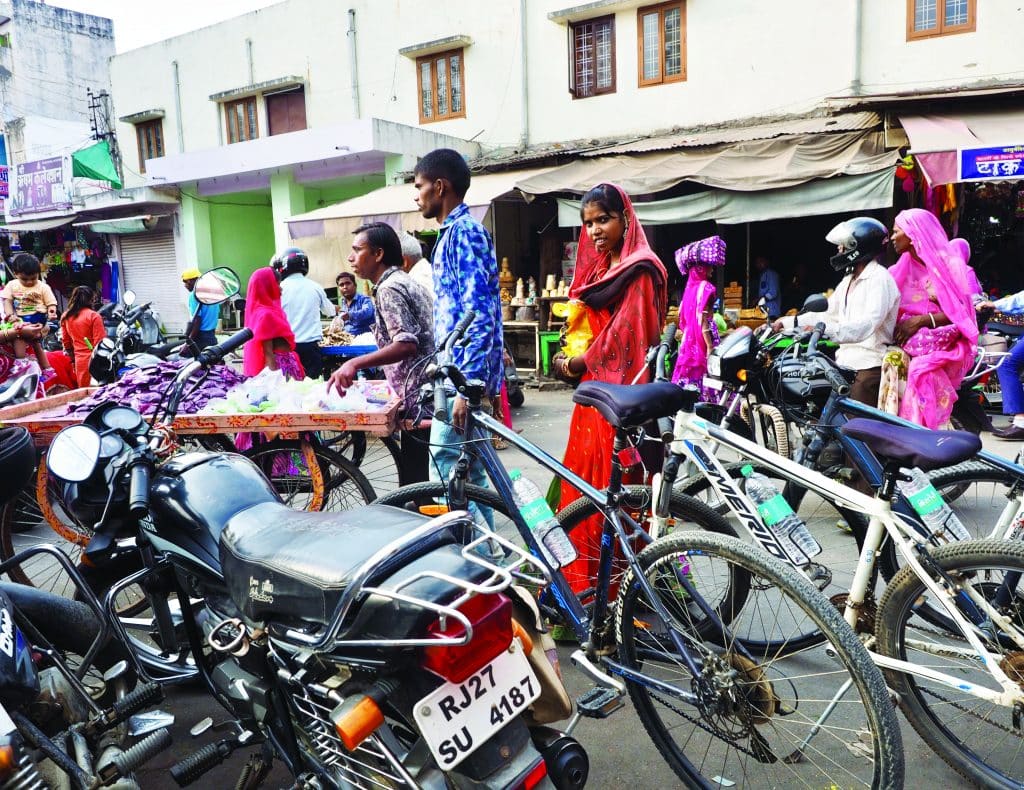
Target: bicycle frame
690,433
479,428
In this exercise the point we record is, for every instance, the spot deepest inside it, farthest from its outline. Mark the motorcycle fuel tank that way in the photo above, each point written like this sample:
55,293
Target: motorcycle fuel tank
194,496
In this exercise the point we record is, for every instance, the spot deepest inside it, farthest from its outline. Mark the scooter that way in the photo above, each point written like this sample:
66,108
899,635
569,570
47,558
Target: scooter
136,342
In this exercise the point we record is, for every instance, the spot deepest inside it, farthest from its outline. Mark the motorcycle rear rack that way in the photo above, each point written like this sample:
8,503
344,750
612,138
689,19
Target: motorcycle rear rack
333,635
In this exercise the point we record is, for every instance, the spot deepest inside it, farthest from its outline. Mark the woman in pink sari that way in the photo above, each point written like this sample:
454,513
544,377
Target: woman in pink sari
696,322
936,325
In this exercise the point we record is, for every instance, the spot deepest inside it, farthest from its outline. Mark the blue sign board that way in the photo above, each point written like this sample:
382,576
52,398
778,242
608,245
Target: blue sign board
993,163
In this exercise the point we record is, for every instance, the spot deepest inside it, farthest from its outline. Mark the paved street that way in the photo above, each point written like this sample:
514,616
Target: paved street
620,753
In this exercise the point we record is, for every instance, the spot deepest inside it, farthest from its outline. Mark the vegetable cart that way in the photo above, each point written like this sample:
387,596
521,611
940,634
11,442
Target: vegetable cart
301,454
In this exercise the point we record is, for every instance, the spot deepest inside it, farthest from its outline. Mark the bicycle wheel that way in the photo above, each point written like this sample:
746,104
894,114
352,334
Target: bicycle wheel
309,476
684,513
977,738
431,498
976,492
378,457
756,721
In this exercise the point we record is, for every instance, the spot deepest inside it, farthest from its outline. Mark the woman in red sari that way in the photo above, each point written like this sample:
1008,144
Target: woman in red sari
273,342
623,286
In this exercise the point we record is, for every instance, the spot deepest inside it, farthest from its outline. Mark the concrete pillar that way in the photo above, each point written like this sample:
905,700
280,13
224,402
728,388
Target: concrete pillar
196,233
286,199
396,166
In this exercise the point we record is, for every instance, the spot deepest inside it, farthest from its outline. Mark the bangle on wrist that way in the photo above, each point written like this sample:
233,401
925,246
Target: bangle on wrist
932,317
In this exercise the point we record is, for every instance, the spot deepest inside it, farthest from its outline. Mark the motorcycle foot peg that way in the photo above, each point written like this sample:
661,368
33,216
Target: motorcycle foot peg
124,763
140,699
599,703
186,771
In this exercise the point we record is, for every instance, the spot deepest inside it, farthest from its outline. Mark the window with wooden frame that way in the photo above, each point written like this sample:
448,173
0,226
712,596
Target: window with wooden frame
240,120
150,137
930,18
441,79
592,57
661,43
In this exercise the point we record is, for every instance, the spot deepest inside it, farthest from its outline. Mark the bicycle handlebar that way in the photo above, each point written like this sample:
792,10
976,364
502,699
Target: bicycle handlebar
447,371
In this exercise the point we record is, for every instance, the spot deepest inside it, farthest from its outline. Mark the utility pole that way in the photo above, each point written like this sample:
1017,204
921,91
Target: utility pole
102,127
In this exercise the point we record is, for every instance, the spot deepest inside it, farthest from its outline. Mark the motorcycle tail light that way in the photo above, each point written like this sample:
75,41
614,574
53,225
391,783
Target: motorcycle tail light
355,719
491,618
534,777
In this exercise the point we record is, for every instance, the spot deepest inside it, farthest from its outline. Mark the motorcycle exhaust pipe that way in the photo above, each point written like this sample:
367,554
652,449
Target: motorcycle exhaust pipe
566,760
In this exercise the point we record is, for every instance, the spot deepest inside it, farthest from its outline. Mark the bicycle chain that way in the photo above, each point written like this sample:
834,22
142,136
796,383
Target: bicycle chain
707,728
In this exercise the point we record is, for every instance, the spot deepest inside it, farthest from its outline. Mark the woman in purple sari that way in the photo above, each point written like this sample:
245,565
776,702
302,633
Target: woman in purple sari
936,325
699,334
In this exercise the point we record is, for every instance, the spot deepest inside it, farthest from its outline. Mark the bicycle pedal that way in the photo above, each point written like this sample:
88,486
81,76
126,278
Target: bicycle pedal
599,703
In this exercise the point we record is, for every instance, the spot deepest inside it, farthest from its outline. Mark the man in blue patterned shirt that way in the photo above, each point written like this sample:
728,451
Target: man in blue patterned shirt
465,278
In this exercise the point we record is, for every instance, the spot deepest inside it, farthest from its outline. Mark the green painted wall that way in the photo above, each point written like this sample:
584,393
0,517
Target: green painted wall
243,232
318,197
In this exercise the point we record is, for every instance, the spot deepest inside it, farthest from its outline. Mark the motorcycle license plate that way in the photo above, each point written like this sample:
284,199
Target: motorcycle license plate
458,718
712,383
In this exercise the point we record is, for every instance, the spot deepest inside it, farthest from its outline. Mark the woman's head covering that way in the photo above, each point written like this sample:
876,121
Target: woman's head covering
962,248
944,264
594,281
706,252
265,317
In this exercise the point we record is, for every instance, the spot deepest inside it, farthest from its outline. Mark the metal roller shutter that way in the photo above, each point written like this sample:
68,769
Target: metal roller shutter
151,270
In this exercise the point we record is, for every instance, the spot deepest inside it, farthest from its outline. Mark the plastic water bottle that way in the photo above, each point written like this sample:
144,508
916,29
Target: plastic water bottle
931,507
788,527
558,549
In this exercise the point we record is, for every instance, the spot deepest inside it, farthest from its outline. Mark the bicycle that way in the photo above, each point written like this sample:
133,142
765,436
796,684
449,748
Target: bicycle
970,669
719,707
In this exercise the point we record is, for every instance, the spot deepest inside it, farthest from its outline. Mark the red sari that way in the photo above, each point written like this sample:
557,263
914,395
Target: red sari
625,308
268,322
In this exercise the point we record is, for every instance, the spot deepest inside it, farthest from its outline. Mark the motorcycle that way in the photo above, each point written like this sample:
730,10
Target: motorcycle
62,723
134,340
374,645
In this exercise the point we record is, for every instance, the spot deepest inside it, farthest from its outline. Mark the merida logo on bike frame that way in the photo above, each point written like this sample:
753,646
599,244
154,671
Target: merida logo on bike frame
739,505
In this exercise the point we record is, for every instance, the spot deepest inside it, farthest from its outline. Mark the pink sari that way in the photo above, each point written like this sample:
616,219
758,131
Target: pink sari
692,361
939,358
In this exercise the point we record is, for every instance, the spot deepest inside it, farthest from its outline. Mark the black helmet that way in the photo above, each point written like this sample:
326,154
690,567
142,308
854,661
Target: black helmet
290,261
858,239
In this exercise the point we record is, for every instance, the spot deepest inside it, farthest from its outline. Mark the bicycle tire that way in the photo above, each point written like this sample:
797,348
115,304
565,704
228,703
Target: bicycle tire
316,478
757,714
897,636
379,458
953,482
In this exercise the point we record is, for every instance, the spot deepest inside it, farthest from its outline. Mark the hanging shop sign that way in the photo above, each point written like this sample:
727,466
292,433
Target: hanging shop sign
3,189
992,163
42,185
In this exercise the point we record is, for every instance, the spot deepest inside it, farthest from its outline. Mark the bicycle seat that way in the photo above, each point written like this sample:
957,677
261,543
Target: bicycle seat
632,405
914,446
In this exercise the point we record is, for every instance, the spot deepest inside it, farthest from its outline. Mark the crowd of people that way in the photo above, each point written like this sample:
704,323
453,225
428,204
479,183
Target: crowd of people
910,332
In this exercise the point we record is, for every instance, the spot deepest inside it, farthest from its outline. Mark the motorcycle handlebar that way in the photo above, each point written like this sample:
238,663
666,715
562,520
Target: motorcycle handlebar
138,490
837,381
214,354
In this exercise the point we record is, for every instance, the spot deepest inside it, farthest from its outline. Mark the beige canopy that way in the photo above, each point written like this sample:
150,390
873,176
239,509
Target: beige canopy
751,166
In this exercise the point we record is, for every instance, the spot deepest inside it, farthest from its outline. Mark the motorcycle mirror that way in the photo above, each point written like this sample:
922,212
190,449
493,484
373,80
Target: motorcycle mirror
815,303
73,453
129,297
217,285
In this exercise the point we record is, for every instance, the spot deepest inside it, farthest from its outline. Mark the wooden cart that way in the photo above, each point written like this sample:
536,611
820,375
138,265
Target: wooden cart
311,482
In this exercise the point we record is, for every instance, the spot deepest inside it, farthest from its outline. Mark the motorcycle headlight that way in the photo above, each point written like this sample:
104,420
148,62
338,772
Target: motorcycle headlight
715,365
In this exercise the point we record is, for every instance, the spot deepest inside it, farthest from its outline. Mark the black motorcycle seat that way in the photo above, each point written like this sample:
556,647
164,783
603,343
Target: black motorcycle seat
285,564
17,461
163,350
914,446
632,405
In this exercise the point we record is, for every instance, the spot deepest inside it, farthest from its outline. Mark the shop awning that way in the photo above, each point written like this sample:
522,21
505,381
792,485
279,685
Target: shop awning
751,166
396,206
39,224
936,139
823,196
